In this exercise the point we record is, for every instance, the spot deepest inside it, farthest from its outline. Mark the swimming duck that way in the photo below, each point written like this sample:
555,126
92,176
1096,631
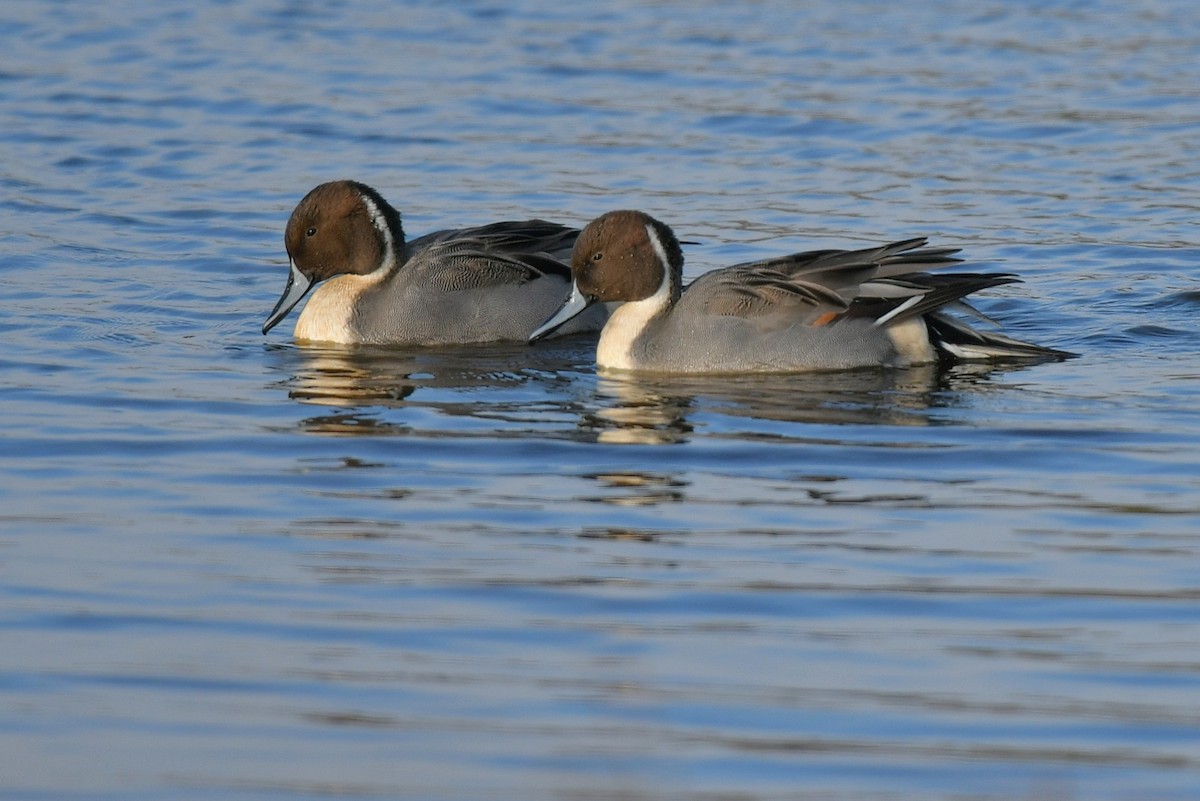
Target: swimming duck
818,310
491,283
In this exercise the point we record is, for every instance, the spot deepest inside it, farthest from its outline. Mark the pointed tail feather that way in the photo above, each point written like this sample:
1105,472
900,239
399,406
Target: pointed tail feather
959,340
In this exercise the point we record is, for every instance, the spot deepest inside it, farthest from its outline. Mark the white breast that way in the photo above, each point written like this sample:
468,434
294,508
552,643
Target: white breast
327,315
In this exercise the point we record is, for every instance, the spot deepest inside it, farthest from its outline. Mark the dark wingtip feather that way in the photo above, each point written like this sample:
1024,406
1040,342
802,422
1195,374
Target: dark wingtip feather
959,340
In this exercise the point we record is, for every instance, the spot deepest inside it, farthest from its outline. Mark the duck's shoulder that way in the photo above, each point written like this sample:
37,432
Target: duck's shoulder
500,254
760,290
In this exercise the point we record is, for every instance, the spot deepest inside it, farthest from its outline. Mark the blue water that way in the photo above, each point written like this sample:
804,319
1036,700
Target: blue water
232,567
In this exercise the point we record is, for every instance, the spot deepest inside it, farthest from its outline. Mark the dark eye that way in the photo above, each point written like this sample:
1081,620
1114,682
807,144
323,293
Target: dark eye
598,255
311,231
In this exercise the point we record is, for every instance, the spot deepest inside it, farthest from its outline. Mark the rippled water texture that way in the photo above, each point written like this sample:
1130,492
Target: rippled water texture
235,568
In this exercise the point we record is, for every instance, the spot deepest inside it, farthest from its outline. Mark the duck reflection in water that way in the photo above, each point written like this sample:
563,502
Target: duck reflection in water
641,409
533,393
373,388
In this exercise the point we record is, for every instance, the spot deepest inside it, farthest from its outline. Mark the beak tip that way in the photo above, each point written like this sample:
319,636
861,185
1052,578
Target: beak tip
297,287
574,305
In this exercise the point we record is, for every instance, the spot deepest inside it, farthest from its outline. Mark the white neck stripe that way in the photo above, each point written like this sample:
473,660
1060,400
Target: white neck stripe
381,225
661,252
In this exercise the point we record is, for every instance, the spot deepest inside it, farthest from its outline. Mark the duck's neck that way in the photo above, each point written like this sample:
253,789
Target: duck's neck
620,334
619,338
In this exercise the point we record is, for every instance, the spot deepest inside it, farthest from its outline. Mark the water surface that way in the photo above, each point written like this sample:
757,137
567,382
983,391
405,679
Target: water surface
232,567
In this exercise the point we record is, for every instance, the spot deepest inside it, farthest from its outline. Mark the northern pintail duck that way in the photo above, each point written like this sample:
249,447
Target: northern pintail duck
820,310
492,283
